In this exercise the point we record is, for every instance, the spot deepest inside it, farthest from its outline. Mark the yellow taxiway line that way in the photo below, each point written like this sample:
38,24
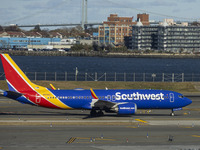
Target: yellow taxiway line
196,136
141,120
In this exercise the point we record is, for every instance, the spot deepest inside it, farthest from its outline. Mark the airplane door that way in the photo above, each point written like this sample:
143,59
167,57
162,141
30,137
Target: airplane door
37,98
171,96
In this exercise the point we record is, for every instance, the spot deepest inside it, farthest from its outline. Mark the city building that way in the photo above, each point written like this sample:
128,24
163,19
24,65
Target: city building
144,37
34,40
19,42
179,38
68,41
144,18
174,37
116,28
30,34
171,22
12,34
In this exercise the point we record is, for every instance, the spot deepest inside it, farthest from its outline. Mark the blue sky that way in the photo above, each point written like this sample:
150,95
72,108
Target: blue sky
69,11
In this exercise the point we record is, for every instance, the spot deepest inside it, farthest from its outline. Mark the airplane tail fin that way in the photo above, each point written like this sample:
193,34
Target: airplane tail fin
16,79
19,85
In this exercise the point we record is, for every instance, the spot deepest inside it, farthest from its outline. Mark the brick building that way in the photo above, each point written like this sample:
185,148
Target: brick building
115,29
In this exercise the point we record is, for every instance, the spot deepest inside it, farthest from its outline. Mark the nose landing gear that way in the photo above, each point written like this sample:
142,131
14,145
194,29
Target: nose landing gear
172,113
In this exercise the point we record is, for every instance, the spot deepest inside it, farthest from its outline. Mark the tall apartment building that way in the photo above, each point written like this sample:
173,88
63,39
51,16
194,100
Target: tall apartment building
178,38
144,37
116,28
166,38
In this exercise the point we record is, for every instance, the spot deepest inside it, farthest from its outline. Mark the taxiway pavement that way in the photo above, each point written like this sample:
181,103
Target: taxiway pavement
29,127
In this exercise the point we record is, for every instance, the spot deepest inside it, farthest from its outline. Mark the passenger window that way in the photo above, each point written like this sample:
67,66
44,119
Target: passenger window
113,97
108,97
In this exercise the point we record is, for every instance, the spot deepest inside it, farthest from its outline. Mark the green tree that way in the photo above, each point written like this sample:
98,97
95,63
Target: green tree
13,28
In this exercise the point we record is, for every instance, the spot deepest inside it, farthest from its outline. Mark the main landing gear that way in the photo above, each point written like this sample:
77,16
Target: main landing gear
94,113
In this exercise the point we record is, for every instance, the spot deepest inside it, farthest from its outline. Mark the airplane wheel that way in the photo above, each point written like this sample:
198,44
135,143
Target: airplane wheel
100,113
172,114
93,113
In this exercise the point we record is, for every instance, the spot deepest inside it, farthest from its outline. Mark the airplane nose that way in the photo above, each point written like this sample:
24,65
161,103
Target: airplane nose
188,101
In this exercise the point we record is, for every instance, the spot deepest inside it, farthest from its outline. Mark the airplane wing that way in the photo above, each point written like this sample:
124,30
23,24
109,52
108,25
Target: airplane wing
101,104
104,105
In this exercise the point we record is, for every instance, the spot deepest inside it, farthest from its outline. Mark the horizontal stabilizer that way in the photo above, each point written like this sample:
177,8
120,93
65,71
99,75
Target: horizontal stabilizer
12,94
2,92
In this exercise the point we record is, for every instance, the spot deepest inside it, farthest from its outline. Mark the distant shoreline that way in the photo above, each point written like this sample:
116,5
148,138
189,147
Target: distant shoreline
99,54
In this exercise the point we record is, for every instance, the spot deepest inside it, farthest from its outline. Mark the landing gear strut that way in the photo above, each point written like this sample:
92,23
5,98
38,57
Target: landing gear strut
94,113
172,114
100,113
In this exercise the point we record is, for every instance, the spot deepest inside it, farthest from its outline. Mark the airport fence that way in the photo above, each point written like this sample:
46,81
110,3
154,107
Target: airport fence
125,77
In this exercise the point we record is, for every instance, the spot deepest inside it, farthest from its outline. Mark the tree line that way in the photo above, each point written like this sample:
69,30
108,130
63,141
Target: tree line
65,31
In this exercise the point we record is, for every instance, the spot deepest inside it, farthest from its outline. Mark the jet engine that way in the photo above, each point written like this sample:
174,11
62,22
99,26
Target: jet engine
126,109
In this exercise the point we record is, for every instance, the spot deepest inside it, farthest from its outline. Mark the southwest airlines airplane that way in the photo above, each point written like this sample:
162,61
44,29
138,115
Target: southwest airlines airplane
122,102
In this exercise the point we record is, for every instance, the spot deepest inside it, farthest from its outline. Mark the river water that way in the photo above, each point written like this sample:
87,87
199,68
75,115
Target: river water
99,64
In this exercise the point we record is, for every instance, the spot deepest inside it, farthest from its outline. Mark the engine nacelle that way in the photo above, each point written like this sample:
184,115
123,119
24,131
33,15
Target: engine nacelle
126,109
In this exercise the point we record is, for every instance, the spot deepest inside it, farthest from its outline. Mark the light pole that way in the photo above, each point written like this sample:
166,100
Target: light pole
153,76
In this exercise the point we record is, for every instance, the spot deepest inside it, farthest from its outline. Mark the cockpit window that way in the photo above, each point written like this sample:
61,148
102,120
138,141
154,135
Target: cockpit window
180,96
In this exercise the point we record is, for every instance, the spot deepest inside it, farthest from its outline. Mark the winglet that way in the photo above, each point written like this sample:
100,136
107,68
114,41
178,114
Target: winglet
93,94
52,87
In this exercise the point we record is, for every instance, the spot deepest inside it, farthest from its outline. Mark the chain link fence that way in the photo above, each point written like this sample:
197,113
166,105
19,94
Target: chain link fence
125,77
